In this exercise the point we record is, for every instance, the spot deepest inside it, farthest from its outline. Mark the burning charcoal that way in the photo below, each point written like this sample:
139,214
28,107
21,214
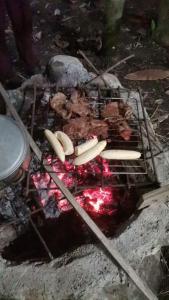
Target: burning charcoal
64,205
93,170
51,208
47,189
101,201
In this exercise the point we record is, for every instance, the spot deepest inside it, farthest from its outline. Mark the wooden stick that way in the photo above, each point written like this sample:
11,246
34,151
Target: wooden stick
111,68
93,67
143,287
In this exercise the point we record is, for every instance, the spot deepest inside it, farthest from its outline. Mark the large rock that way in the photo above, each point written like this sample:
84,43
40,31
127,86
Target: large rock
108,79
66,71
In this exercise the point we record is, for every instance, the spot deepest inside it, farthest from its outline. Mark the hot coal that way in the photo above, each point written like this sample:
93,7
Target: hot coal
84,181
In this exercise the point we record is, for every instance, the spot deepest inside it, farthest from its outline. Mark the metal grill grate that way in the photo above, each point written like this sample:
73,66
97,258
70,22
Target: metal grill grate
141,172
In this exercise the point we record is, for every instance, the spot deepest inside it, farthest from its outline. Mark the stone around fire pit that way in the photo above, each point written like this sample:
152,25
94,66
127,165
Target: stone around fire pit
67,71
110,79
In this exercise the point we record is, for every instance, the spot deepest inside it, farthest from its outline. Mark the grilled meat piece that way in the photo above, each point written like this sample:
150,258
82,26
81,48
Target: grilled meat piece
116,114
114,109
83,128
75,106
78,104
58,103
125,110
111,110
98,128
124,130
77,128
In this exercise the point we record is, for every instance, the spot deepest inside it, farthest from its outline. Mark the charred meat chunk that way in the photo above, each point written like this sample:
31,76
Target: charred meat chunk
58,104
78,104
82,128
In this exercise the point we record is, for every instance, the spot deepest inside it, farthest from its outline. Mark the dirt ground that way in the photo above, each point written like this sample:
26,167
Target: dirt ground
63,27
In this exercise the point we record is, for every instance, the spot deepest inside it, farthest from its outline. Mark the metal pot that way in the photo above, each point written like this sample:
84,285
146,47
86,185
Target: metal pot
14,152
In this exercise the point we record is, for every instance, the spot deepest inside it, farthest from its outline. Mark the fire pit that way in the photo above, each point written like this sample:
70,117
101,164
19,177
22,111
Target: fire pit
107,190
49,213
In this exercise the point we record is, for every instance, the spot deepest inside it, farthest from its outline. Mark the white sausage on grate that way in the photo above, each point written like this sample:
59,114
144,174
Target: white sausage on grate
65,141
90,154
120,154
57,147
86,146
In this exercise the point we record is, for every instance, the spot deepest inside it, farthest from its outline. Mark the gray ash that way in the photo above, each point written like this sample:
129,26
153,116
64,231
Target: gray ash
13,208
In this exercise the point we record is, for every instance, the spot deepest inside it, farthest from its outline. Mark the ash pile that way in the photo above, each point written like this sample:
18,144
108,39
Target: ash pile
80,270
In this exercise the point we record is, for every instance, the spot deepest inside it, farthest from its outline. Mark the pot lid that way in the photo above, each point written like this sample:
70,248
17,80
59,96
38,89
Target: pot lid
13,147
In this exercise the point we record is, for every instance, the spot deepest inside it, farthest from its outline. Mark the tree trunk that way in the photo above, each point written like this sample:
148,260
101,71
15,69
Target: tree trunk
113,14
162,31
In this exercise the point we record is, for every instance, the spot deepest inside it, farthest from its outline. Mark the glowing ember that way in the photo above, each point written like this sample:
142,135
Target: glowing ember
101,201
97,205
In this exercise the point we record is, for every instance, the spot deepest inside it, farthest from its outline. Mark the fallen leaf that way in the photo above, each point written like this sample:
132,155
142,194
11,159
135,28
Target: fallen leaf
148,74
